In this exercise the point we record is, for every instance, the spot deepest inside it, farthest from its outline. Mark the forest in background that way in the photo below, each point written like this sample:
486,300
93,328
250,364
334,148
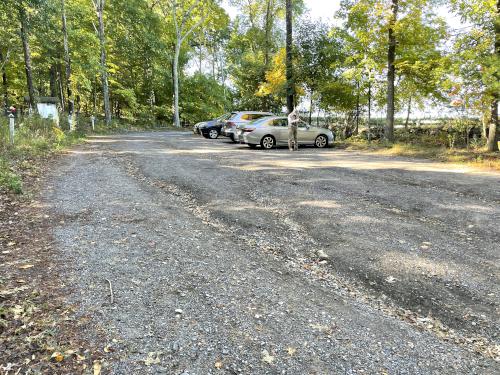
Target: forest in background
139,60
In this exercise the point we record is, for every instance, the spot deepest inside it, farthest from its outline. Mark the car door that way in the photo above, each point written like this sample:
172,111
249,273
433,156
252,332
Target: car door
280,130
304,134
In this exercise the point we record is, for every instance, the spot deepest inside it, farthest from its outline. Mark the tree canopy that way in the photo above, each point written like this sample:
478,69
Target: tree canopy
184,61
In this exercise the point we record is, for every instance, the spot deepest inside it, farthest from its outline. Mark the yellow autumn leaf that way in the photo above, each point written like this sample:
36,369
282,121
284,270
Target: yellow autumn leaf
97,367
57,356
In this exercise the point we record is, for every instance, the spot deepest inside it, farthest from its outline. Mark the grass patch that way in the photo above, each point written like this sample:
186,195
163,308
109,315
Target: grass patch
473,157
8,179
35,139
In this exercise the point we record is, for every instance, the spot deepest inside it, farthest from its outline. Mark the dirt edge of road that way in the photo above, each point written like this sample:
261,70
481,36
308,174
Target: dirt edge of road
39,331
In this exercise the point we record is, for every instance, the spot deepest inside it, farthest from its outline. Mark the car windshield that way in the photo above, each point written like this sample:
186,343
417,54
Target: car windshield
225,116
232,115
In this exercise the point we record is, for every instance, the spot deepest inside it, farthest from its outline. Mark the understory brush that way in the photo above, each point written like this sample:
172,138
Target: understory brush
34,139
429,147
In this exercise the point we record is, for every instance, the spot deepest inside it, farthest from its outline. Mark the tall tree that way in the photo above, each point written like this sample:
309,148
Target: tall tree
5,85
67,58
493,136
391,72
290,87
24,33
99,8
187,16
477,52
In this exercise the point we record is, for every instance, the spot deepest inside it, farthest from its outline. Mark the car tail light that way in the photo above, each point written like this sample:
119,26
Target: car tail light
230,124
248,130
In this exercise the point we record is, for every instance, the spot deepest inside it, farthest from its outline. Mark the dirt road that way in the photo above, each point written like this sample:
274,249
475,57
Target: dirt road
224,259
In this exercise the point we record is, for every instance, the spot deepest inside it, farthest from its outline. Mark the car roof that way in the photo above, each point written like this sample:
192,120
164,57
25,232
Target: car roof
256,112
273,117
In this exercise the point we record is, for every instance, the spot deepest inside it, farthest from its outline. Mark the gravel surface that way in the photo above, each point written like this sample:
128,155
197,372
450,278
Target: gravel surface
206,257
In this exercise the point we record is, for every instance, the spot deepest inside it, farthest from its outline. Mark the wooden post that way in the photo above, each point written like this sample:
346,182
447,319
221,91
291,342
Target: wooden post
11,128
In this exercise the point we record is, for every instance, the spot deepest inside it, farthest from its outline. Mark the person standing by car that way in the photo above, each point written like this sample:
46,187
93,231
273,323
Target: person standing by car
293,122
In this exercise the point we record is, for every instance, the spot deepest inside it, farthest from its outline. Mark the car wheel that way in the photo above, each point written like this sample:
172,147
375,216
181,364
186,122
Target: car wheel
252,145
321,141
268,142
231,137
213,134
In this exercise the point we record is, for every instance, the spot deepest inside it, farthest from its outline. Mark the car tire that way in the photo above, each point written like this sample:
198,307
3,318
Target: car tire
213,134
231,137
252,145
321,141
268,142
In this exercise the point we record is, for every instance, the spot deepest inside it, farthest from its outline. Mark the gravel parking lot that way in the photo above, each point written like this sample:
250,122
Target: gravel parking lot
222,259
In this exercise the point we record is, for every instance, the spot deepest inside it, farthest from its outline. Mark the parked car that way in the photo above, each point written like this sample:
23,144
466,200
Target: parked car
211,129
240,118
207,124
272,131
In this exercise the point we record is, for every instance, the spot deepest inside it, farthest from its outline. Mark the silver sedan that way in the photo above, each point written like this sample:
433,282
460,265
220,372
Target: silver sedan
273,131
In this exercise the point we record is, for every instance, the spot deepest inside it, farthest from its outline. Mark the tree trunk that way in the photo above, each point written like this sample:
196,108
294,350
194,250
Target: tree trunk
290,94
268,27
357,109
267,46
27,56
67,59
177,121
391,74
311,109
369,110
61,87
408,114
53,80
5,83
104,70
94,96
492,142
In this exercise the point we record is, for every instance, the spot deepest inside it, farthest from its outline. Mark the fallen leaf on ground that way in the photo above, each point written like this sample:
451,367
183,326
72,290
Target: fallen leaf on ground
97,367
218,365
26,266
57,356
266,357
291,351
391,280
153,358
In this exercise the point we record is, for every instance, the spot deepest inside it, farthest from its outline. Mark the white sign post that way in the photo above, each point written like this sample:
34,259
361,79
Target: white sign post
11,128
92,118
71,123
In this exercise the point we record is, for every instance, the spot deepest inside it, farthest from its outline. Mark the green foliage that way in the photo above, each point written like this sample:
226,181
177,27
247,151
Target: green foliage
8,179
34,138
240,64
205,98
